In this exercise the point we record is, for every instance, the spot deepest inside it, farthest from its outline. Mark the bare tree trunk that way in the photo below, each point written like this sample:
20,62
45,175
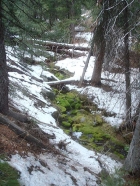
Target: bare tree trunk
3,70
132,162
127,66
96,76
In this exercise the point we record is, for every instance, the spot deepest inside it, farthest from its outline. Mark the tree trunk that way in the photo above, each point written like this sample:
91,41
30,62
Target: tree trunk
132,162
100,43
3,70
96,76
127,66
72,25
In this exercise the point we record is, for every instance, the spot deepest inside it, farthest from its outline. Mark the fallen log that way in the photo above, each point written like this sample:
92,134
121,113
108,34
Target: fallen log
12,69
66,52
15,64
22,133
49,44
72,81
18,116
62,82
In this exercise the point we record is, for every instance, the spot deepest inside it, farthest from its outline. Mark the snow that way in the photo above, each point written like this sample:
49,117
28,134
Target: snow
112,101
49,170
77,164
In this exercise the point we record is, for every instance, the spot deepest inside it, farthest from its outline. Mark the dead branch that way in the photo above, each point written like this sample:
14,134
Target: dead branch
62,144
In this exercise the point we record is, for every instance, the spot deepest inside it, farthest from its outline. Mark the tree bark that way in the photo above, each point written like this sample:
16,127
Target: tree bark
132,162
127,66
3,70
96,76
100,43
72,25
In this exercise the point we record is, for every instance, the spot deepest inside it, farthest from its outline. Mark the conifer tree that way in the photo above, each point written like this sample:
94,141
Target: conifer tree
3,69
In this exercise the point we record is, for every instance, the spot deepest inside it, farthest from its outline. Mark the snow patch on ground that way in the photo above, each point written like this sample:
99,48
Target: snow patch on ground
79,166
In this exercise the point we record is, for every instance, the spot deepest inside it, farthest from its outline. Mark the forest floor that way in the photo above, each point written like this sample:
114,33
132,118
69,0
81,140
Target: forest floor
65,162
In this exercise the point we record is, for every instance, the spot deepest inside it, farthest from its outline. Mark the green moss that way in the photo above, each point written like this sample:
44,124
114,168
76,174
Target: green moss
77,105
69,119
86,130
69,100
64,103
119,155
62,108
67,131
96,133
63,116
98,119
76,127
8,175
66,124
59,75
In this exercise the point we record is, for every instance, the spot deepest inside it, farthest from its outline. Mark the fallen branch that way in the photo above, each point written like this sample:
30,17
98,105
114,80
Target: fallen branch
62,144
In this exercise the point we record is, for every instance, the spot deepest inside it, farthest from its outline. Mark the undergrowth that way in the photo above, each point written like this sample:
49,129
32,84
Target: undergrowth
8,175
119,178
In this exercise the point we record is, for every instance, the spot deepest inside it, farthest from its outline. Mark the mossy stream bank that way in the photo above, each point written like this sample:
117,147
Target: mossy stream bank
78,115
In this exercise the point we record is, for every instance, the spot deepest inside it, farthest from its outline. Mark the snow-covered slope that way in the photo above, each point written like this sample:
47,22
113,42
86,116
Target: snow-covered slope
77,165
